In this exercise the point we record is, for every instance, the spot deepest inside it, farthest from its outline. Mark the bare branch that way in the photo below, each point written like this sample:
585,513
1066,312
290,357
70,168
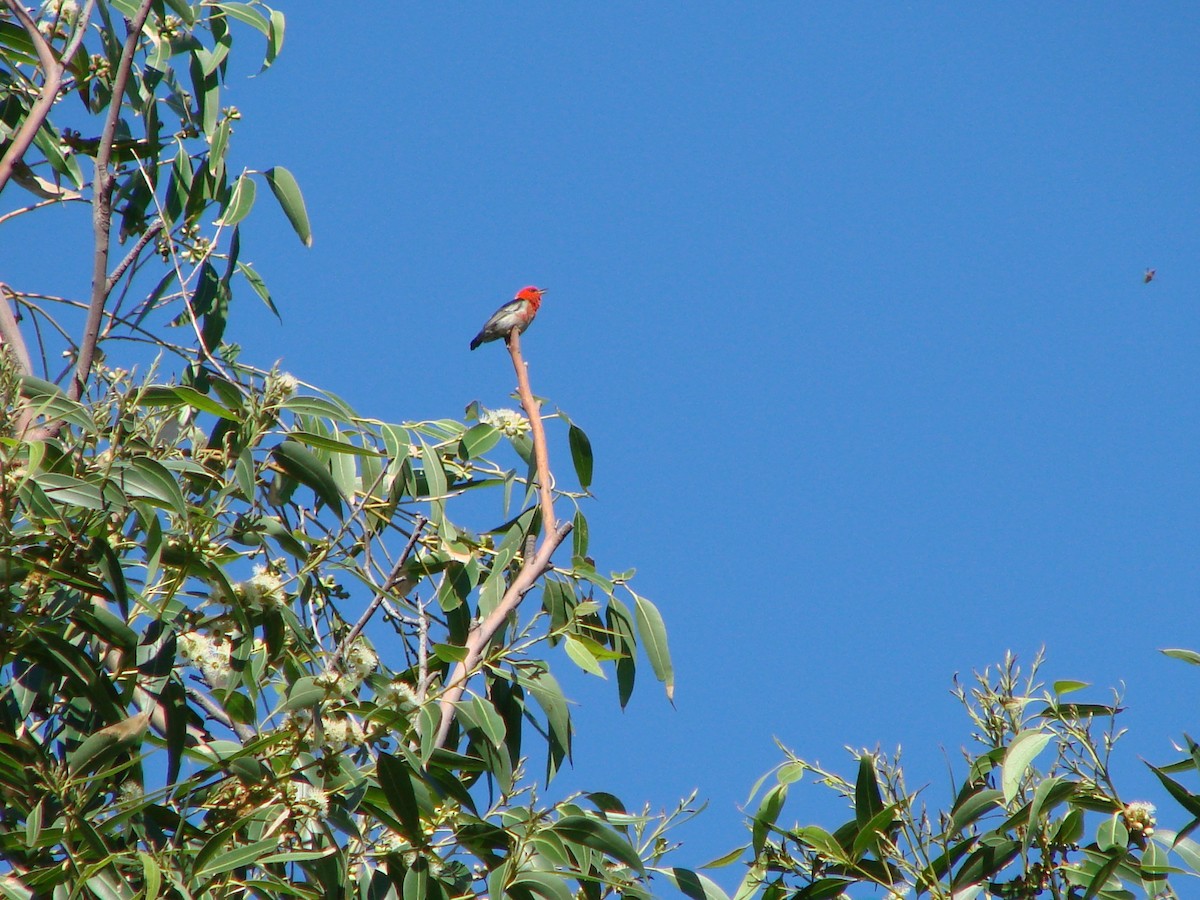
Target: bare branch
532,569
422,652
102,188
10,334
49,201
48,95
533,410
147,236
244,732
394,580
46,98
81,25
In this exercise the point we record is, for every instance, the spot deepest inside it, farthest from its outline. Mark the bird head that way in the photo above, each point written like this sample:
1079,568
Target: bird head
530,293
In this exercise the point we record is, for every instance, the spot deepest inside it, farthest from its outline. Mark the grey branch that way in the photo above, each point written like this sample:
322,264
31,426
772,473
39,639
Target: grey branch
394,582
102,188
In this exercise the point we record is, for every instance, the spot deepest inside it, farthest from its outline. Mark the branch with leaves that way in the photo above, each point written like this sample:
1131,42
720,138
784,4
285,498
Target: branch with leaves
242,611
531,570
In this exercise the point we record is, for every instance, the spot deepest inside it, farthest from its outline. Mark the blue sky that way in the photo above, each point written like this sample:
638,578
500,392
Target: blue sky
849,299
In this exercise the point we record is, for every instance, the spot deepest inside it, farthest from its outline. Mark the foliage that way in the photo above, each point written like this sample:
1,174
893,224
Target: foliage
1037,813
234,608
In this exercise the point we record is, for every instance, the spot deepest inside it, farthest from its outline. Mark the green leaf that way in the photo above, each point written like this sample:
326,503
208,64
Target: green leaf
1181,795
150,479
106,742
550,885
478,440
1112,834
549,696
870,830
287,192
47,399
1048,794
1155,863
428,721
766,816
581,455
624,640
579,535
868,799
319,406
789,773
1020,754
973,806
1066,687
1190,656
299,463
480,714
304,694
175,395
66,490
246,14
219,145
726,860
323,442
693,884
820,840
151,874
396,782
595,834
435,474
653,632
258,285
241,201
15,40
580,655
274,39
984,863
236,858
450,653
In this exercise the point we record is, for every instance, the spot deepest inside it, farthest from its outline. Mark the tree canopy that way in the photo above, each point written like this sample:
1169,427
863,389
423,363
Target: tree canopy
255,641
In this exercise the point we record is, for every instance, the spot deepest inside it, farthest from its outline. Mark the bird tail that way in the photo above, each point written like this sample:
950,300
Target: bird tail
477,340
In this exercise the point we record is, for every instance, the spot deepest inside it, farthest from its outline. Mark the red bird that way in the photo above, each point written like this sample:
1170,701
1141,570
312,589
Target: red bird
516,313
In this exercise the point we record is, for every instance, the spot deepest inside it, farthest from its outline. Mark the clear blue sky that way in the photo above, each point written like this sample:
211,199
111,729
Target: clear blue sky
849,299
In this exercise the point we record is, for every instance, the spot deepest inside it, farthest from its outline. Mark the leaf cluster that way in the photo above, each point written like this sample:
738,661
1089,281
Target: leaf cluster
231,606
1037,813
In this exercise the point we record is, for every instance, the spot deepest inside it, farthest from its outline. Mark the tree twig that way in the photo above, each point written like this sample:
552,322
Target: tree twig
48,95
50,201
394,580
553,534
147,236
102,188
10,333
533,410
244,732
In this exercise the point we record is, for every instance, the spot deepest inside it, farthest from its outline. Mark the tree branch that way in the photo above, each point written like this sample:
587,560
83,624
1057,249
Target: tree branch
244,732
102,187
48,95
10,333
532,569
392,581
147,236
533,410
46,98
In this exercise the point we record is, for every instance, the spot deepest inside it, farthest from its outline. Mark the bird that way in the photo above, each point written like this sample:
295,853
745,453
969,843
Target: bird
516,313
